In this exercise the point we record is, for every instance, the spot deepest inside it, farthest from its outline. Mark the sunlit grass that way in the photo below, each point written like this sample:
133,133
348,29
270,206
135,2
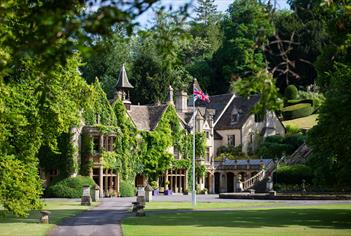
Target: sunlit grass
13,226
305,220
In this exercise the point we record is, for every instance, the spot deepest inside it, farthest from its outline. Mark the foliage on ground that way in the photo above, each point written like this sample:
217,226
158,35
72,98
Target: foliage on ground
71,187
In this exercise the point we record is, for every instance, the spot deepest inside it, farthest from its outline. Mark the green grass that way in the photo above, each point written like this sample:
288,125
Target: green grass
305,220
305,122
13,226
296,106
205,205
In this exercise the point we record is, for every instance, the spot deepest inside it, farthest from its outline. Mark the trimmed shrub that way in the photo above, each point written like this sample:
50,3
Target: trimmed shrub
298,101
69,188
290,92
127,189
297,111
294,174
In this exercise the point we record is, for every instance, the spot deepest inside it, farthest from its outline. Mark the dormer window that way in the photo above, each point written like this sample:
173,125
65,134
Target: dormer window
234,116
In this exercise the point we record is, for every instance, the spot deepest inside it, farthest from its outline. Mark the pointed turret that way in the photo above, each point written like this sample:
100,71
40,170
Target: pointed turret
122,87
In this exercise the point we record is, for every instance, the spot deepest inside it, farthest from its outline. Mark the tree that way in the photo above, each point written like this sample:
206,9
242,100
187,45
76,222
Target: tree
106,59
329,139
41,89
204,10
245,30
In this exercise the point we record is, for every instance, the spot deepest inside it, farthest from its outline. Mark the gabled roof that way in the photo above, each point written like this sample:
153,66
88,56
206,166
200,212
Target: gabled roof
243,106
146,117
218,103
123,81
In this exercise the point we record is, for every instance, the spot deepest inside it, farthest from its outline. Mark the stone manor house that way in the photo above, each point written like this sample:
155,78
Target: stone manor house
226,121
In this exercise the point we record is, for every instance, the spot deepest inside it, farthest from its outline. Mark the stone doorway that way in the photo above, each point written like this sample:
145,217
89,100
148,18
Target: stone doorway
230,182
217,181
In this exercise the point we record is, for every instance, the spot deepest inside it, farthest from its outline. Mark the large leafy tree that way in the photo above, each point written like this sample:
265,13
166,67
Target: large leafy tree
41,89
330,138
245,30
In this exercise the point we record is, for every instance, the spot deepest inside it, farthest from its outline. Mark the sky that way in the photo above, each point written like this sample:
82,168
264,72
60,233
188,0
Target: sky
222,5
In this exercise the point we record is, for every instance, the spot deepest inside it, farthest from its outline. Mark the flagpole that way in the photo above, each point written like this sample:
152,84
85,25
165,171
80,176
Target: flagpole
193,196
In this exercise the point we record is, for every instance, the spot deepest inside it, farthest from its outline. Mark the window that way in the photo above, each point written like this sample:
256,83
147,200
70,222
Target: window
231,140
208,154
234,116
207,134
96,144
176,154
259,117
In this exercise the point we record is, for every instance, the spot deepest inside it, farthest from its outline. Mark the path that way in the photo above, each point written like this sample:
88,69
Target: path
103,220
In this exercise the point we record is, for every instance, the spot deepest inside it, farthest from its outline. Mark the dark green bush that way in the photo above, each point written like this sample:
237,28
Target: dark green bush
297,111
294,174
275,146
298,101
127,189
290,92
69,188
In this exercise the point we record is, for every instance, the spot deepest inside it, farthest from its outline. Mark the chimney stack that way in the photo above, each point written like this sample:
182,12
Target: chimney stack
182,101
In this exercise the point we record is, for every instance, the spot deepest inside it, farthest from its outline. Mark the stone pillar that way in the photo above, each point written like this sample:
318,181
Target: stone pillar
176,183
212,184
101,181
105,183
171,182
181,184
186,181
223,183
117,183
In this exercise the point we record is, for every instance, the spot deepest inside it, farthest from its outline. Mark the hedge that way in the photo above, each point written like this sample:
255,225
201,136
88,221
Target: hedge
69,188
294,174
290,92
298,101
127,189
297,111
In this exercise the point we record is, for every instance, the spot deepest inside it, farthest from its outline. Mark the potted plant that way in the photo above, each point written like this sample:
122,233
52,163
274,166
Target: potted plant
154,186
167,191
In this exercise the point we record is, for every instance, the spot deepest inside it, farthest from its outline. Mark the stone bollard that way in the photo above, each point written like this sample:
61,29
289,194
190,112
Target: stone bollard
86,198
96,196
140,206
269,184
44,219
239,184
148,193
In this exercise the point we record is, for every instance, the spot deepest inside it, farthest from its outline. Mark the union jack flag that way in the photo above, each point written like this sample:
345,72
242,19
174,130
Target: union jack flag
199,94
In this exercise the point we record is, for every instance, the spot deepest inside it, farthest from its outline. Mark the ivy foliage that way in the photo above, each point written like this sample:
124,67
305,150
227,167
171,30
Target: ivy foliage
126,143
35,109
99,106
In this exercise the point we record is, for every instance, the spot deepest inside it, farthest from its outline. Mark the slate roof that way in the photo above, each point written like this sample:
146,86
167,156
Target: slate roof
123,81
146,117
243,106
217,102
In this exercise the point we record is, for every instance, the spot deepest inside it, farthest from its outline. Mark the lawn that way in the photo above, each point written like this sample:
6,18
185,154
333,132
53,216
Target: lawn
13,226
305,220
305,122
156,206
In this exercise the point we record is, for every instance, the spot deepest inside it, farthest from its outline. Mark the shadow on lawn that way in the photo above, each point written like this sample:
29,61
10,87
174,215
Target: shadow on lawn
34,217
314,218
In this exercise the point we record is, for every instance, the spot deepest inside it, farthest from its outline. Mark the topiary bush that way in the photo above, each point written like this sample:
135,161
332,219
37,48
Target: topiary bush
69,188
290,92
127,189
294,174
297,111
